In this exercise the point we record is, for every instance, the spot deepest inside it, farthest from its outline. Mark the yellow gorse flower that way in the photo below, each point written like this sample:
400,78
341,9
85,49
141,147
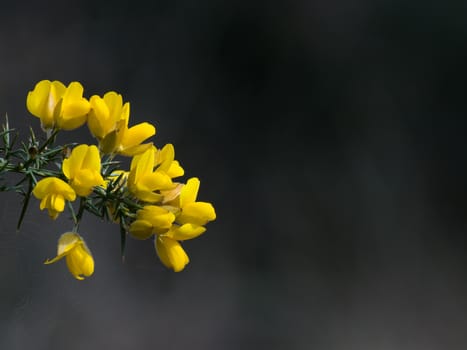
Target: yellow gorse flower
144,181
83,169
53,193
129,141
41,101
164,161
108,122
78,256
191,211
71,111
185,231
105,113
58,106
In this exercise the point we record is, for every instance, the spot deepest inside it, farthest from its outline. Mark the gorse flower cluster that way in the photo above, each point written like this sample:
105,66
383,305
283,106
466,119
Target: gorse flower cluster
146,201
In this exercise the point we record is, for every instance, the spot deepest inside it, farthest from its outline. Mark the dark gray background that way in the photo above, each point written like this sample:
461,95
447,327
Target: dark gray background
330,137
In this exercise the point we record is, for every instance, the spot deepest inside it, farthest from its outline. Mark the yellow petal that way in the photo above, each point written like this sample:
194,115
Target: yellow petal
73,164
165,157
150,211
48,202
160,219
143,164
98,117
189,191
115,102
44,202
42,101
137,134
85,180
67,191
131,151
184,232
42,187
37,99
57,203
92,160
155,181
175,170
67,241
73,108
125,115
148,197
74,105
80,261
145,187
66,168
53,185
198,213
171,253
66,123
141,229
51,261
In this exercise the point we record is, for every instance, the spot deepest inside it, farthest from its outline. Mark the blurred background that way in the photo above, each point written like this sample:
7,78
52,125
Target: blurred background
330,137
